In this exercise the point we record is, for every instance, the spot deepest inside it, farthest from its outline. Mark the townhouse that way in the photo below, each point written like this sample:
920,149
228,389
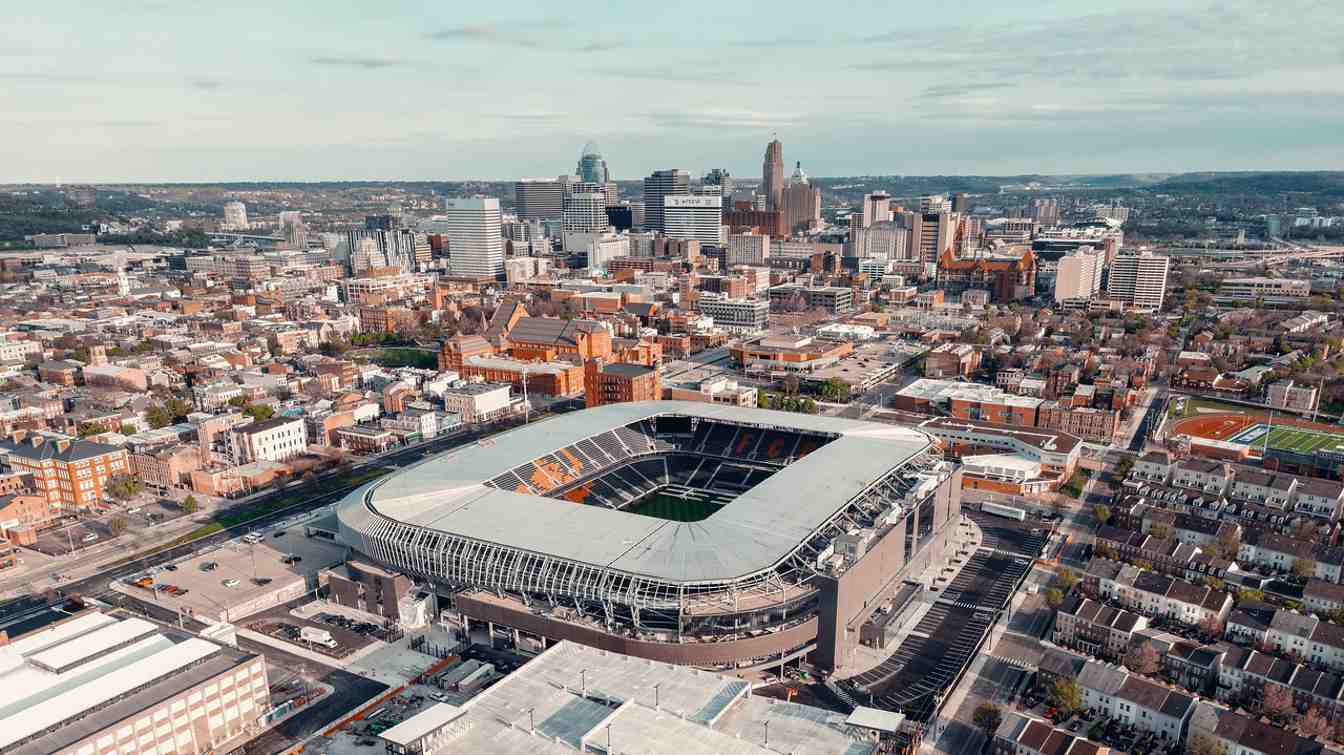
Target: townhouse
1019,734
1299,636
1094,628
1281,553
1243,674
1154,594
1119,694
1239,734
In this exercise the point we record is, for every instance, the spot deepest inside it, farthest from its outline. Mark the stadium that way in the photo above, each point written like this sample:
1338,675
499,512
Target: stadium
683,532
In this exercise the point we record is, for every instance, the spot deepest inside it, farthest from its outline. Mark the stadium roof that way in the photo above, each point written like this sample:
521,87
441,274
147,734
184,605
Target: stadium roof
752,533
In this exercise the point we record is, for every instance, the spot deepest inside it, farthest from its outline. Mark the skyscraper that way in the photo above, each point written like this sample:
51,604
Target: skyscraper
1079,275
932,235
475,244
293,229
662,183
592,168
586,212
539,198
961,202
235,216
1139,279
1045,211
695,217
772,175
800,203
876,208
722,179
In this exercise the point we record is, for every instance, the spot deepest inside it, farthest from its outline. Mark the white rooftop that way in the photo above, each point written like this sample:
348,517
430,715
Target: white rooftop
749,535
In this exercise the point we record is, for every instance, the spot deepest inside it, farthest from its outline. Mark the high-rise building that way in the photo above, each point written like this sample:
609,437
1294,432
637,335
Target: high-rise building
935,203
876,208
694,217
884,240
475,244
586,212
932,234
722,179
1139,279
748,249
1273,226
293,229
235,216
772,175
1045,211
661,184
1113,211
592,168
1078,276
539,198
961,202
800,203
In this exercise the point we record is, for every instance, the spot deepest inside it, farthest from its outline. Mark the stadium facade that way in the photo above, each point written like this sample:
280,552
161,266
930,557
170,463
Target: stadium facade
682,532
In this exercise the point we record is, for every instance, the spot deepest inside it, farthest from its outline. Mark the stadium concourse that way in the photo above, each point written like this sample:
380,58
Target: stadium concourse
690,533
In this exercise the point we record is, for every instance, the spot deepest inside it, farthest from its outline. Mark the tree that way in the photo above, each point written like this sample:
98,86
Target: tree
1160,530
123,487
1314,724
1303,568
259,412
85,429
1146,660
1102,512
1276,701
178,408
190,505
1250,593
238,401
126,428
1202,744
1066,696
117,525
1054,597
158,416
987,717
1066,579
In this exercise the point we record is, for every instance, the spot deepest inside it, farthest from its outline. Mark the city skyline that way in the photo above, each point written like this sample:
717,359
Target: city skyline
421,93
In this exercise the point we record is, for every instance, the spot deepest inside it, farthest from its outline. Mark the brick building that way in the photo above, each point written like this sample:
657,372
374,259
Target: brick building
617,383
70,473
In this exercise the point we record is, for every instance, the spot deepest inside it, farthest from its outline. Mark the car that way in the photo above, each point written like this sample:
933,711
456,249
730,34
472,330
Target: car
133,510
281,533
89,538
252,538
209,566
231,582
170,567
291,560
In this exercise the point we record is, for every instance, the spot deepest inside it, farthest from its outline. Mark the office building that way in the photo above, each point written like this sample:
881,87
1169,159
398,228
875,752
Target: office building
876,208
592,168
539,198
883,240
617,383
961,202
1273,226
659,185
772,175
935,203
235,217
94,684
931,235
694,217
1113,211
293,229
586,212
1079,275
1268,290
724,181
69,473
800,203
475,244
748,249
1139,280
1292,396
740,315
275,439
1044,211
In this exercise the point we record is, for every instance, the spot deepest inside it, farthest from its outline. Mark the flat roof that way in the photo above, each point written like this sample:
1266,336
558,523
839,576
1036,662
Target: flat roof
1047,440
428,721
749,535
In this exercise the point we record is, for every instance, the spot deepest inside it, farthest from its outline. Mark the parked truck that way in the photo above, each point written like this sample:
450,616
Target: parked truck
317,636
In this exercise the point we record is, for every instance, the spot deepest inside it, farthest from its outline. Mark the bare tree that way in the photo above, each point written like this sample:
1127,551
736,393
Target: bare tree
1276,701
1314,723
1145,660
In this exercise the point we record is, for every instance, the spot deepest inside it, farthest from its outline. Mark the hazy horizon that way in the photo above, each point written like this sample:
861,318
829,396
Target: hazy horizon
152,92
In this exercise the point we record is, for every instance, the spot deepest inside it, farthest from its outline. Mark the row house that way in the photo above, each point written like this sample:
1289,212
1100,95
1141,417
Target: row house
1191,529
1189,664
1155,594
1239,734
1251,485
1095,628
1300,636
1319,595
1243,674
1119,694
1270,550
1019,734
1165,554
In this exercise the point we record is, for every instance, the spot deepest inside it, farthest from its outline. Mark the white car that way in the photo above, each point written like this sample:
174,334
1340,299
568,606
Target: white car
252,538
231,583
89,538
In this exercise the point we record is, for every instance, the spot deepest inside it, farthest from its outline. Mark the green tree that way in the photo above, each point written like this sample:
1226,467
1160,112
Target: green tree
1249,593
1054,597
987,717
1066,579
158,416
1102,512
178,408
190,505
238,401
1066,696
259,412
126,429
117,525
1303,568
123,487
85,429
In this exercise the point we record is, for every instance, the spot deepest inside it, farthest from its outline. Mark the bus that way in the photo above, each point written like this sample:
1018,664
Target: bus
1008,512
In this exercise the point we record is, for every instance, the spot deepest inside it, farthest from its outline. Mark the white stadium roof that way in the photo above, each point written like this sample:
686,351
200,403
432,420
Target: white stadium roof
752,533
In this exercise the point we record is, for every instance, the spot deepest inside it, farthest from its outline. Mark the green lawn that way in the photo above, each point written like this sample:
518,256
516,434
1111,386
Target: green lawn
1303,441
1193,407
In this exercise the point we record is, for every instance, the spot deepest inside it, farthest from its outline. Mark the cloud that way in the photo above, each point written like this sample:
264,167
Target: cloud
206,85
359,63
721,119
529,35
940,91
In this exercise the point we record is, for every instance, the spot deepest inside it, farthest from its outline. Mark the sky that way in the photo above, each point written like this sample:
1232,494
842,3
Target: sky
142,90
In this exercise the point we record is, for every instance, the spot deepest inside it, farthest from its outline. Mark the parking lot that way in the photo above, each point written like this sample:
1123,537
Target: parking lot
75,537
238,579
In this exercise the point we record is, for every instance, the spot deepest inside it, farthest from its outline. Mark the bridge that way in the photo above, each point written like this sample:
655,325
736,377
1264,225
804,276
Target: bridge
1238,259
229,238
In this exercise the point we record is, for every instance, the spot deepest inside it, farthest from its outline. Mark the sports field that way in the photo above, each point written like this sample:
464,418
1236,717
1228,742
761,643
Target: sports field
1296,439
689,506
